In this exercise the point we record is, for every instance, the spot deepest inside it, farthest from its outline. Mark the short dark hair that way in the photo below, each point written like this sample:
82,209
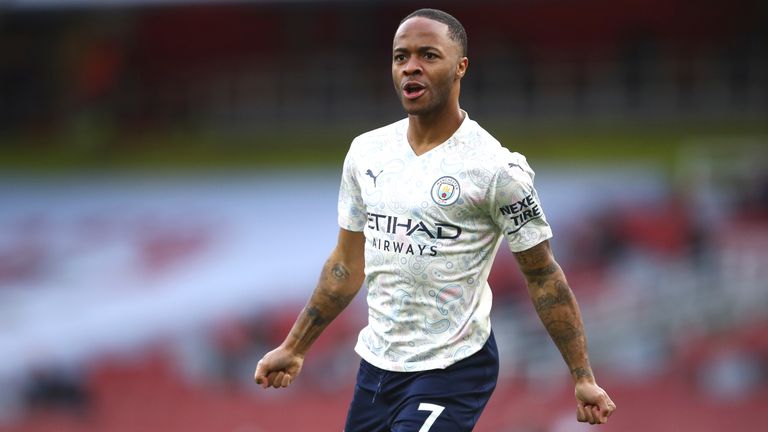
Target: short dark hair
455,30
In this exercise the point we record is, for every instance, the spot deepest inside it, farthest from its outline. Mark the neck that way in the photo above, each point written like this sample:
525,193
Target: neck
426,132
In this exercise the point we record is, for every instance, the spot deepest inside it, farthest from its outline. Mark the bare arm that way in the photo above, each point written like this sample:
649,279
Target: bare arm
556,306
340,280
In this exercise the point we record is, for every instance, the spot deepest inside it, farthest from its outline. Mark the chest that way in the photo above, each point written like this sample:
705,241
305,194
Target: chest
433,187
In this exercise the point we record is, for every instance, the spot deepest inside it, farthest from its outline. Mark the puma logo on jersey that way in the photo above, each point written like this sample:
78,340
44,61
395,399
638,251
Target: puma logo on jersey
513,165
369,173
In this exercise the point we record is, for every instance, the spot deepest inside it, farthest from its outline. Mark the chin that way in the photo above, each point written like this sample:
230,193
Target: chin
423,107
410,109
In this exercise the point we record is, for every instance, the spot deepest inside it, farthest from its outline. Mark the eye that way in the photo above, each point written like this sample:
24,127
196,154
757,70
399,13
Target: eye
398,58
430,56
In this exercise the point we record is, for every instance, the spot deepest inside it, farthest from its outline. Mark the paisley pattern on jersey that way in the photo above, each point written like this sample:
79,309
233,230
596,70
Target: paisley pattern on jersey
433,224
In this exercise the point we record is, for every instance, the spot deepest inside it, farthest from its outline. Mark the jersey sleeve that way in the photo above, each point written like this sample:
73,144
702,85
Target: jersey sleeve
516,207
352,215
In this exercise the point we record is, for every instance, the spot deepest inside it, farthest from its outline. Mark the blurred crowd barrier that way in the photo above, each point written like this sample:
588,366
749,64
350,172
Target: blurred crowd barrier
244,67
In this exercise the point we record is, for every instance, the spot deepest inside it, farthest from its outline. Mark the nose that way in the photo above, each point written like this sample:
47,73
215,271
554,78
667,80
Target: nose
412,66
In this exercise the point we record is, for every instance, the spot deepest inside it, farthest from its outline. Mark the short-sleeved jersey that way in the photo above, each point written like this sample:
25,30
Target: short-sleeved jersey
432,225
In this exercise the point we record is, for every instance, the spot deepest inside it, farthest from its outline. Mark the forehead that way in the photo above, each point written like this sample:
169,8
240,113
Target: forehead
422,31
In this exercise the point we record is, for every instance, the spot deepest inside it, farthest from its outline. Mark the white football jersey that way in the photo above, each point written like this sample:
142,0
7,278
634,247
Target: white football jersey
433,224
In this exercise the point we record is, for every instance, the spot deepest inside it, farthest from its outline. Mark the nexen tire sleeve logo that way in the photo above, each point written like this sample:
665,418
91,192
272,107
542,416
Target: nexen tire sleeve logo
521,212
446,191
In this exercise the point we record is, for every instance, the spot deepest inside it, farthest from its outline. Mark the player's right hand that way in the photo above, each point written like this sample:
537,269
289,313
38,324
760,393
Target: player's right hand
278,368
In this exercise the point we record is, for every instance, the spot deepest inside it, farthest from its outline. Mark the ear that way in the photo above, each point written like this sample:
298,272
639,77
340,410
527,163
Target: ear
461,68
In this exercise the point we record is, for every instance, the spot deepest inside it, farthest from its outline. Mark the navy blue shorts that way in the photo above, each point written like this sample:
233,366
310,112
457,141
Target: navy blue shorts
439,400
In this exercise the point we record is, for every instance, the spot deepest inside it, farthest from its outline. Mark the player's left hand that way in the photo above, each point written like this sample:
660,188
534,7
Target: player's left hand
593,403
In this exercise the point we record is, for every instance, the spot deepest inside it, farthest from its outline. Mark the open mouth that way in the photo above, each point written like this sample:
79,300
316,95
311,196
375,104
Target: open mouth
413,89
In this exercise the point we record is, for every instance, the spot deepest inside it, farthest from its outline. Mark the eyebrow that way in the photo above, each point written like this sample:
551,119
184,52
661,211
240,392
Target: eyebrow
421,49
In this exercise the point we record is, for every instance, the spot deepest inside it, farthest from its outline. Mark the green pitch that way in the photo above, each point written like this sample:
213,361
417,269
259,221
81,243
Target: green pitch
102,148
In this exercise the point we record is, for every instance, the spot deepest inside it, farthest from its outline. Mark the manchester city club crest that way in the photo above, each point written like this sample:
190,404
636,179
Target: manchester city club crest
446,191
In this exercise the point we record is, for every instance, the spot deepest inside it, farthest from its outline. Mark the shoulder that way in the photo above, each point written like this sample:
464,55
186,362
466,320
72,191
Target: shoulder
380,135
376,143
483,151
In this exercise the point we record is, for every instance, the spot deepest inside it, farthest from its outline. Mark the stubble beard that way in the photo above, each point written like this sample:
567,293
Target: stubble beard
440,96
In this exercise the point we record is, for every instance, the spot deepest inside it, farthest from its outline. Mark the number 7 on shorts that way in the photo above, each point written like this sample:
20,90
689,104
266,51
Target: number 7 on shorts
436,410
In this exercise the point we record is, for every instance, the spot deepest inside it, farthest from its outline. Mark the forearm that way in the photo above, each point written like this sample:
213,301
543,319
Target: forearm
556,306
339,283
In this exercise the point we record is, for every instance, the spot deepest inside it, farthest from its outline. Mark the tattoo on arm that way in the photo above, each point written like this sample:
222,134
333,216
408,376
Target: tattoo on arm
339,272
546,301
559,313
534,255
336,273
340,301
533,273
308,327
316,317
537,263
556,306
324,305
565,335
582,372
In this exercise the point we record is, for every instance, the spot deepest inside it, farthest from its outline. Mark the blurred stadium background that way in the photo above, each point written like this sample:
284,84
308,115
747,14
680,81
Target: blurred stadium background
168,177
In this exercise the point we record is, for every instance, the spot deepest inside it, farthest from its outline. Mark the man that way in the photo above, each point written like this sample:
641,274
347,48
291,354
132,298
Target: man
423,206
